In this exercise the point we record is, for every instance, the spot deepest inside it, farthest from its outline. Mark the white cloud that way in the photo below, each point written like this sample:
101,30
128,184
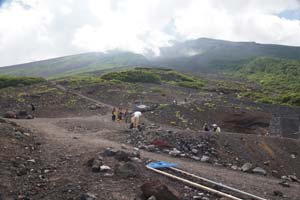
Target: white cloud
40,29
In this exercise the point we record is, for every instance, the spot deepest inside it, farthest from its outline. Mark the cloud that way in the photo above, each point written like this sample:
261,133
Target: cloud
39,29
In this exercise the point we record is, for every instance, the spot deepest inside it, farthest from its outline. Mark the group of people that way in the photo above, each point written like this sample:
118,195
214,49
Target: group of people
118,114
212,128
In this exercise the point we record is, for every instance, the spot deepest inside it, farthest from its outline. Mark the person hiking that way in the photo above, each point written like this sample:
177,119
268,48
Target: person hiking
126,116
136,118
32,109
119,115
113,113
205,127
216,128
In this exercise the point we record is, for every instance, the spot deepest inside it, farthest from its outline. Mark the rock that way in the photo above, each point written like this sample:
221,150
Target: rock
93,107
126,170
22,171
205,158
122,156
284,184
10,114
109,152
294,178
150,147
159,190
96,165
259,170
136,159
293,156
285,178
174,152
234,167
123,146
196,158
152,198
195,151
22,114
104,168
88,196
31,161
278,193
246,167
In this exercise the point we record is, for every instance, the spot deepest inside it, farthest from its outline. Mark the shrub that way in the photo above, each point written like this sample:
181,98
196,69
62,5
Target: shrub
12,81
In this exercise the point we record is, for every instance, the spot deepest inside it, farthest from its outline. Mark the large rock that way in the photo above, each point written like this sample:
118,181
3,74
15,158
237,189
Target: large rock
109,152
126,170
174,152
159,190
96,165
123,156
88,196
22,114
10,114
259,170
205,158
246,167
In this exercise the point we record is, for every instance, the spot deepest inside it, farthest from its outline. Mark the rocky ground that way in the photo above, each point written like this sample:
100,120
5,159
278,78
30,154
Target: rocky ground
72,149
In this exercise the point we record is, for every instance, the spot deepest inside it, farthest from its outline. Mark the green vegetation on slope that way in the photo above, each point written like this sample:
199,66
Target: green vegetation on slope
279,78
11,81
154,75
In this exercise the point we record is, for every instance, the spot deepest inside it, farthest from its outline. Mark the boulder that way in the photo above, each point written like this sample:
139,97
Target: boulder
294,178
22,114
259,170
159,190
123,156
246,167
109,152
194,151
88,196
205,158
104,168
10,114
196,158
96,165
174,152
126,170
278,193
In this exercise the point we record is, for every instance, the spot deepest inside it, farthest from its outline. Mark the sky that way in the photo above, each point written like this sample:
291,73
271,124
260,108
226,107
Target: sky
33,30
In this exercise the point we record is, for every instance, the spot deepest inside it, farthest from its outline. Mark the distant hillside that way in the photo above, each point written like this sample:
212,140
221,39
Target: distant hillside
74,64
210,55
201,55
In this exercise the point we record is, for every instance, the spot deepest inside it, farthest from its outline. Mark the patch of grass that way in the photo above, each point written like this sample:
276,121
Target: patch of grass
133,76
12,81
156,76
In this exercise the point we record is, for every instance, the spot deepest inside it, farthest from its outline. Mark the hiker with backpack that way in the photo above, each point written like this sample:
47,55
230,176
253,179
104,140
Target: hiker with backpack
216,128
120,115
135,119
205,127
114,112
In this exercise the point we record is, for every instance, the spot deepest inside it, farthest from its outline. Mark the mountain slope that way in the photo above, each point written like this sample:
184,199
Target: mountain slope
75,64
210,55
201,55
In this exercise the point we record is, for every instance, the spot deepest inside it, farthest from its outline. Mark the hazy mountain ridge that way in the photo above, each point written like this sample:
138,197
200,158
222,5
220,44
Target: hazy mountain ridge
200,55
80,63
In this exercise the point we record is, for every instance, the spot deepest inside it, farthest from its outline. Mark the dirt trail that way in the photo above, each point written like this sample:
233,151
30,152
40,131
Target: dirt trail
56,135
